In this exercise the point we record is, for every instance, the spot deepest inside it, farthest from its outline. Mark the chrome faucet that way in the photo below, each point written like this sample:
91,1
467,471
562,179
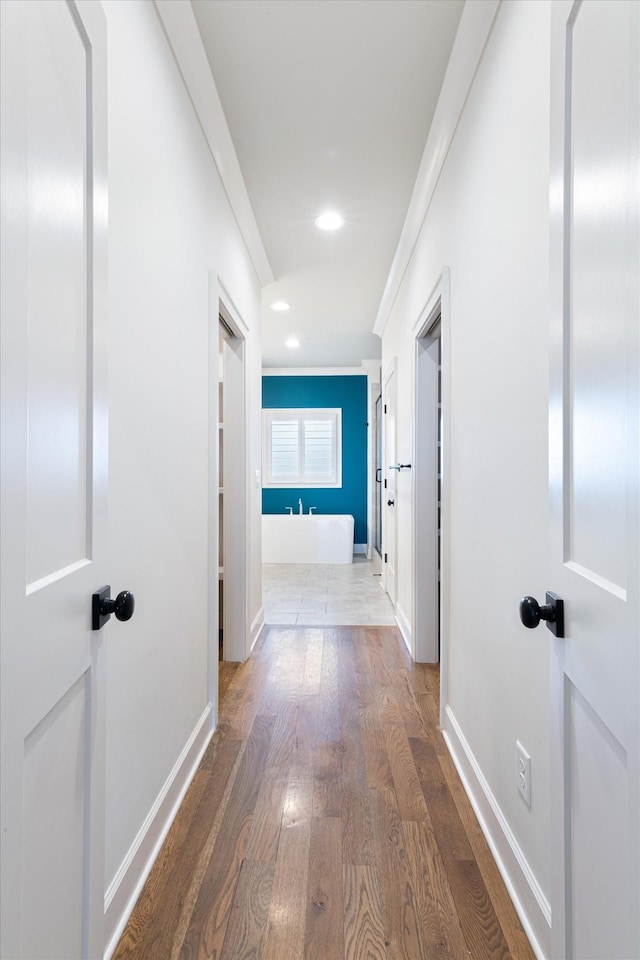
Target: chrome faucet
311,509
290,509
300,510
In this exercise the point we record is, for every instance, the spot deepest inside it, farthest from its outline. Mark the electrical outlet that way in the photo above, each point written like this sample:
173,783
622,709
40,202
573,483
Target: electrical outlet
523,773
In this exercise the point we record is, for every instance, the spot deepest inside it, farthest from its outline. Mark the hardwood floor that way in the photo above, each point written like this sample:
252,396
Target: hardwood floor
326,820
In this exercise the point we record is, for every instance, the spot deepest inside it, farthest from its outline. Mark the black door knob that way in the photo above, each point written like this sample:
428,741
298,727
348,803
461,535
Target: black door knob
531,613
390,503
102,606
123,605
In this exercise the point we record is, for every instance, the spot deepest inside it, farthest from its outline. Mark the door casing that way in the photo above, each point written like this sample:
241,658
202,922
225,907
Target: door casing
235,455
390,481
430,637
427,564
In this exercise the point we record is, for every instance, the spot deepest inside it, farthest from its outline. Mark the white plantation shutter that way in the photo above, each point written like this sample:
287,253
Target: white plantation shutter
319,450
302,448
284,450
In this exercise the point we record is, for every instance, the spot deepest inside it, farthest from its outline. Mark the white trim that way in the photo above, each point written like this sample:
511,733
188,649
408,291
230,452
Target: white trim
314,372
213,500
530,903
236,519
390,371
424,319
471,38
446,519
184,38
373,392
256,629
404,627
360,548
424,478
230,313
126,886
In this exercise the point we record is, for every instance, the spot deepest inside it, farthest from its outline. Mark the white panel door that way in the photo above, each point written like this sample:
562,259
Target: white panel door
389,494
53,475
594,479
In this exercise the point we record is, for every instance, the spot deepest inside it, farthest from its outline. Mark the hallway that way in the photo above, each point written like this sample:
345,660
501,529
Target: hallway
326,820
462,354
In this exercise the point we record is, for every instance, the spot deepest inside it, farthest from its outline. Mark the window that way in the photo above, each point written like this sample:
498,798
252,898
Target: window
302,448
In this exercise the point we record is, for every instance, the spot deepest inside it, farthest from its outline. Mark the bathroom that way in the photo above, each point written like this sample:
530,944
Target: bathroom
313,529
344,492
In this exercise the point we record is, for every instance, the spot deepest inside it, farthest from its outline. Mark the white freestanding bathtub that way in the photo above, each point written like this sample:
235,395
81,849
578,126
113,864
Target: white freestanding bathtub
314,538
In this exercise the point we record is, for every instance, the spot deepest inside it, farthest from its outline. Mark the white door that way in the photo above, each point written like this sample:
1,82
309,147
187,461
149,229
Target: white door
389,494
53,476
594,479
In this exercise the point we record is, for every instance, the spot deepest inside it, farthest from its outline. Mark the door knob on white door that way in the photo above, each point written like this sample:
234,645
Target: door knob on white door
102,606
531,613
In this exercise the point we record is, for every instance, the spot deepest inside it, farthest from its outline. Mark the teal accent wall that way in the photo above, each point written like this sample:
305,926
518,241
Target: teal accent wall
350,394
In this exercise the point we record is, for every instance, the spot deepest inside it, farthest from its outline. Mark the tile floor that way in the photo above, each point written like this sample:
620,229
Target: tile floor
323,593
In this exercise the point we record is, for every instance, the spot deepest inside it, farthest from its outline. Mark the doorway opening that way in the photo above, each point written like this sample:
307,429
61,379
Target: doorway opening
432,521
229,493
225,333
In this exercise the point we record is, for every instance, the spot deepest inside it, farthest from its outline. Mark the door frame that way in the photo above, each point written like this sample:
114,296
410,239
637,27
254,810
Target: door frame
391,370
425,629
235,457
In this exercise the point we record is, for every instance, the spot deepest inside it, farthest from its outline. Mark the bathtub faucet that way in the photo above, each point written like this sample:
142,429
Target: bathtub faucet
311,509
300,510
290,509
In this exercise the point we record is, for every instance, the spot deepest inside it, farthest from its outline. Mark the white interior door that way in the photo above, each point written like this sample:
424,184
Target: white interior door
389,494
594,479
53,475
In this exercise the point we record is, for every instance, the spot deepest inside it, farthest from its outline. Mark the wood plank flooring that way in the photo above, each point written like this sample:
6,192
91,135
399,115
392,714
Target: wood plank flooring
326,820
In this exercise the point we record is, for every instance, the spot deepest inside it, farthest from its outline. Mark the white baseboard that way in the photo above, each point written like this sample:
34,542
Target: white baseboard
405,627
129,880
256,628
532,906
360,548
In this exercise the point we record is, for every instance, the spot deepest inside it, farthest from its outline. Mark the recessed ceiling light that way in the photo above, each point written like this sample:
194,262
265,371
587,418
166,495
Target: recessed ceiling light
292,343
280,305
330,220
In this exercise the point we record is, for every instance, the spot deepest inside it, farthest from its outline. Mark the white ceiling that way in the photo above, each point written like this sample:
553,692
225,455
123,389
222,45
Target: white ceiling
329,104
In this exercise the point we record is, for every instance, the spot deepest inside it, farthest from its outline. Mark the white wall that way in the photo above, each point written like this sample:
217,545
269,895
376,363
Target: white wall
169,224
488,222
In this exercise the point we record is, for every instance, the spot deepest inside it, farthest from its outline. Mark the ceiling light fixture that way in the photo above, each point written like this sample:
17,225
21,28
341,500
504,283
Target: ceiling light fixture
280,305
292,343
330,220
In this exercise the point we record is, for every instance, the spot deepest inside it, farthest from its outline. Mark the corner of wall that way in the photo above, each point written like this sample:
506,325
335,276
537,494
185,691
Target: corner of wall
404,625
257,627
